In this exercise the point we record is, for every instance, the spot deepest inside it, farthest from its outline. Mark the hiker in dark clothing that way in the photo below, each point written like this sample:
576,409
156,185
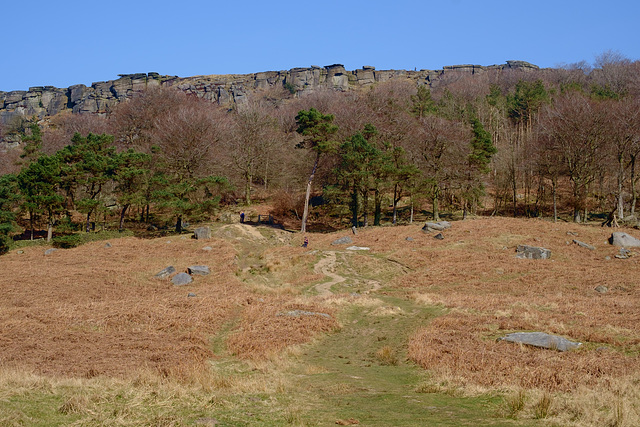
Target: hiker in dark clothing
242,217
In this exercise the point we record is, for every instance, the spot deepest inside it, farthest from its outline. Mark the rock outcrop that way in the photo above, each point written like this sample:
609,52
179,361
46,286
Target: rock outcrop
100,97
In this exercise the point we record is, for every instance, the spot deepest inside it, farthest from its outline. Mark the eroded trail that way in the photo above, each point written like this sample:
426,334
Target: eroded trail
327,266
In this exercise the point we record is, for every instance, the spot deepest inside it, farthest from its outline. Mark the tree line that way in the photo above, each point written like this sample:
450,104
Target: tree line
557,142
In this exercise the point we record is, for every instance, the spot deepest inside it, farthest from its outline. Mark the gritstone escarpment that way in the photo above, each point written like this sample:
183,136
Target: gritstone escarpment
99,98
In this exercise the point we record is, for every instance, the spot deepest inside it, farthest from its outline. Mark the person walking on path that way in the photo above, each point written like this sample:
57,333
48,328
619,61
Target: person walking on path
242,217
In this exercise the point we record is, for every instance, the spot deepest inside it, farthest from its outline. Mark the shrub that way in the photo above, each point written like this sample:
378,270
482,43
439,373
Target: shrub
68,241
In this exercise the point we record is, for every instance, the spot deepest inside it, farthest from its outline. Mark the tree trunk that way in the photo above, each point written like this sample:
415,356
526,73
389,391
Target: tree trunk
179,224
365,208
394,219
377,216
555,200
633,184
305,213
354,206
50,228
436,206
122,213
247,189
88,223
620,182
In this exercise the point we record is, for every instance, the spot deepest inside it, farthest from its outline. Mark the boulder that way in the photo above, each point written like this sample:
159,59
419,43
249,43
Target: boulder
346,240
202,233
439,236
601,289
163,274
199,270
181,279
358,248
532,252
584,245
542,340
436,226
50,251
624,240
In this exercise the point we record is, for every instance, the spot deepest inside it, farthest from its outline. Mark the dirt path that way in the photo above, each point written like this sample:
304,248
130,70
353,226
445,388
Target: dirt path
327,266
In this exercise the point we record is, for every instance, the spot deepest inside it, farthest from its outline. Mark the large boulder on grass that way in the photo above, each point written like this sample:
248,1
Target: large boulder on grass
165,272
202,233
436,226
181,279
532,252
198,270
342,241
542,340
624,240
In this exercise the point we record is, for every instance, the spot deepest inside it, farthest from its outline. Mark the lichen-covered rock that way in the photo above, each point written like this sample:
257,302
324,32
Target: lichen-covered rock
181,279
346,240
166,272
198,270
624,240
542,340
202,233
532,252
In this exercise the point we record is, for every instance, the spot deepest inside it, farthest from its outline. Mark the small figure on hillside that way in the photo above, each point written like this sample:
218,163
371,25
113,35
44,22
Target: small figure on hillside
242,217
306,242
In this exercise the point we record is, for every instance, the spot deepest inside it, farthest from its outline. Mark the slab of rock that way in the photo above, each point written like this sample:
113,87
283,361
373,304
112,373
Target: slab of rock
299,313
164,273
199,270
624,254
624,240
181,279
346,240
601,289
542,340
532,252
50,251
358,248
436,226
584,245
202,233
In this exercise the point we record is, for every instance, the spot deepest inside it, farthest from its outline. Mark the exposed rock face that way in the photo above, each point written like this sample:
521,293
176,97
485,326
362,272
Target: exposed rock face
541,339
100,97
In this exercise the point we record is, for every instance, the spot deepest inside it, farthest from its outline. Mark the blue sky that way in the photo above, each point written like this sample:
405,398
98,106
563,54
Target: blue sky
62,43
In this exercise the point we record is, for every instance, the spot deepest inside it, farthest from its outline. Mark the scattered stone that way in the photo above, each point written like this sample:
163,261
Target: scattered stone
358,248
198,270
436,226
181,279
584,245
608,258
202,233
108,245
409,239
624,254
50,251
572,233
532,252
163,274
168,241
601,289
439,236
299,313
354,230
20,252
207,248
191,295
346,240
623,239
542,340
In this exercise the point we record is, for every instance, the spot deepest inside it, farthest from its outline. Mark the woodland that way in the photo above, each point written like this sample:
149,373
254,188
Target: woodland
558,143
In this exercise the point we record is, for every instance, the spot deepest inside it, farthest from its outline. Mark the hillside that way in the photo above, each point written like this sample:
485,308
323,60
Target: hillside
404,333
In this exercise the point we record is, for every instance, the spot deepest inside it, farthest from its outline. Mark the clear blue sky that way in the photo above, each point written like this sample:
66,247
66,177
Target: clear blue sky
66,42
